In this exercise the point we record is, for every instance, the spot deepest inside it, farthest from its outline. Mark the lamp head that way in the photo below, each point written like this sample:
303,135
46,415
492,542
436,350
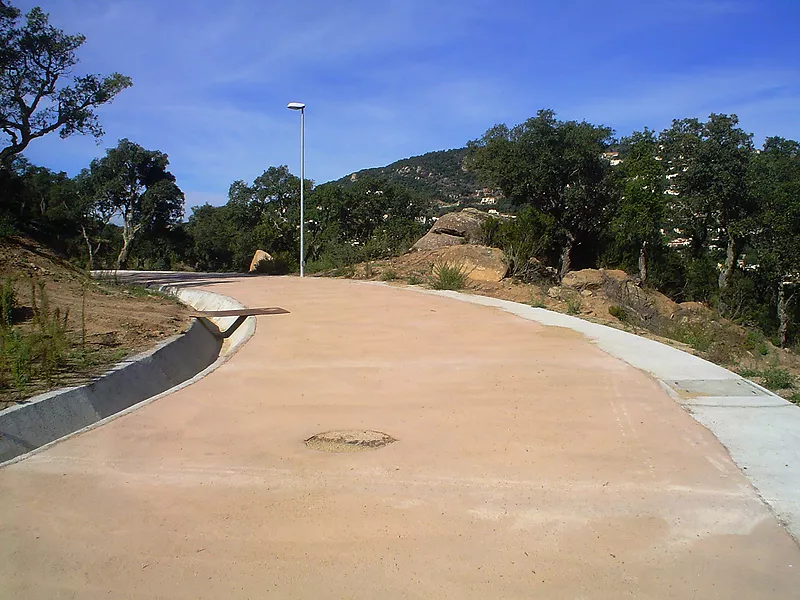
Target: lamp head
295,106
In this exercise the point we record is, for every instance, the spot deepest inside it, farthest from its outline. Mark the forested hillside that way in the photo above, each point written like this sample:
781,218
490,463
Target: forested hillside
440,177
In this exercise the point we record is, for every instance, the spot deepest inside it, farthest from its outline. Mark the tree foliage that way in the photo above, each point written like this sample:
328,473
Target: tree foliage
34,101
708,163
637,222
557,167
134,184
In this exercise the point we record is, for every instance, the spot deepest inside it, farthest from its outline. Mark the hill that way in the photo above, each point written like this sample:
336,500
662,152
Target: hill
438,176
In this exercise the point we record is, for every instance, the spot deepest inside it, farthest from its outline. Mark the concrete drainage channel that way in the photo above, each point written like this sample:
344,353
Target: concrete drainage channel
173,364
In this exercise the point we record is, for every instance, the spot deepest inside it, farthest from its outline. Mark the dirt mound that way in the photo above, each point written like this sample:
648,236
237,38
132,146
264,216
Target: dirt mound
453,229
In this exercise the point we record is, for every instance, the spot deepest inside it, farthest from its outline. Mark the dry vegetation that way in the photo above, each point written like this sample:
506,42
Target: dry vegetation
65,328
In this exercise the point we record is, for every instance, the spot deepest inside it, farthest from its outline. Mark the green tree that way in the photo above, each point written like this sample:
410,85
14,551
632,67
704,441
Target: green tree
776,184
134,184
554,166
708,166
639,217
34,59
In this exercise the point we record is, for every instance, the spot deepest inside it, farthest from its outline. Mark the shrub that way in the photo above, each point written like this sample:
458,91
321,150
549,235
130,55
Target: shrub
448,276
8,302
777,379
415,280
574,305
618,312
763,349
389,275
749,373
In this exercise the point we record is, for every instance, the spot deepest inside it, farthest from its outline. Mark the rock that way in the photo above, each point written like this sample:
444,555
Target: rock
554,293
537,270
480,263
453,229
592,279
431,241
258,258
586,293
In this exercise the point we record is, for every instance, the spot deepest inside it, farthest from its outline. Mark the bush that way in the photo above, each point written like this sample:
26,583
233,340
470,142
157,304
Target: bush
618,312
777,379
448,276
415,280
574,305
389,275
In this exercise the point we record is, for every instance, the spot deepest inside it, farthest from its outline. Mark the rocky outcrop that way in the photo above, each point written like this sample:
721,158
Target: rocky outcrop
592,279
453,229
480,263
260,260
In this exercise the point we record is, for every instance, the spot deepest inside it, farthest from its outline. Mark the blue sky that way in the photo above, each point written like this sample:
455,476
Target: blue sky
386,79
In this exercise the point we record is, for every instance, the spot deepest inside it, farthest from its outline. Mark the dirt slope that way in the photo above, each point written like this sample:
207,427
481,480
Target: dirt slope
119,320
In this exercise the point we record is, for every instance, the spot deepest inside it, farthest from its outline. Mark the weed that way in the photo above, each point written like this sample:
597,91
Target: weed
696,335
574,305
415,279
763,349
389,275
777,379
535,302
448,276
8,302
794,398
749,373
618,312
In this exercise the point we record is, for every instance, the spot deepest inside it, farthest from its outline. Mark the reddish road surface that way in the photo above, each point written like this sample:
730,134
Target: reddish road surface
529,464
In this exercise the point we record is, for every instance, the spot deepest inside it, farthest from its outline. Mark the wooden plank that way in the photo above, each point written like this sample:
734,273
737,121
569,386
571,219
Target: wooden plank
242,312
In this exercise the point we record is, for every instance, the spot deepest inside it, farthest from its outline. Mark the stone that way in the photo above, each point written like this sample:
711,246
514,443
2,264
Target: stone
452,229
554,293
586,293
259,257
480,263
592,279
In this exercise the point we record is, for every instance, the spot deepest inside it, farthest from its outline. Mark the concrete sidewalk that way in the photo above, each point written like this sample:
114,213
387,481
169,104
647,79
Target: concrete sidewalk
529,463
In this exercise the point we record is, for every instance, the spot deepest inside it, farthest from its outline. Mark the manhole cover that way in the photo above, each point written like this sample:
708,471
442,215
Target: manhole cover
349,441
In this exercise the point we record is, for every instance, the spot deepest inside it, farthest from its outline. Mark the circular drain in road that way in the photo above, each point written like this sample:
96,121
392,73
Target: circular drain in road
349,441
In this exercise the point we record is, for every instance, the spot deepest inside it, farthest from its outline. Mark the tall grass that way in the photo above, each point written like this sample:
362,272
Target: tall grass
34,352
448,276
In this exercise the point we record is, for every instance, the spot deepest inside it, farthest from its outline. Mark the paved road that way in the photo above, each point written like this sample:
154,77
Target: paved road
529,464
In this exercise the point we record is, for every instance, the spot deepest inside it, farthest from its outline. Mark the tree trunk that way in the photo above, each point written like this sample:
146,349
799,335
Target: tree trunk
129,231
730,263
88,248
783,314
566,255
643,262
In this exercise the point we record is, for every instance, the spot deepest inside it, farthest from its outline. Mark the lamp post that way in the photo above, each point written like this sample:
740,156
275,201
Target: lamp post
302,108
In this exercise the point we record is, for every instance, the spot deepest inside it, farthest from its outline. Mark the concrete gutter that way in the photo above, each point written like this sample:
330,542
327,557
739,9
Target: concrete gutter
176,363
760,429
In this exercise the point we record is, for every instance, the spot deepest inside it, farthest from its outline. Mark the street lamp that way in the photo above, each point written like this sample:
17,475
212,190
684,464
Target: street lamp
302,108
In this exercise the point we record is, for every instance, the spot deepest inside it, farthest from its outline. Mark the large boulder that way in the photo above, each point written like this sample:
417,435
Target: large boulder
453,229
260,260
592,279
480,263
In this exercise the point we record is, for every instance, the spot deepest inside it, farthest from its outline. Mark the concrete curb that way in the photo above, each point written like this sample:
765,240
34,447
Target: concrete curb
760,430
174,364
